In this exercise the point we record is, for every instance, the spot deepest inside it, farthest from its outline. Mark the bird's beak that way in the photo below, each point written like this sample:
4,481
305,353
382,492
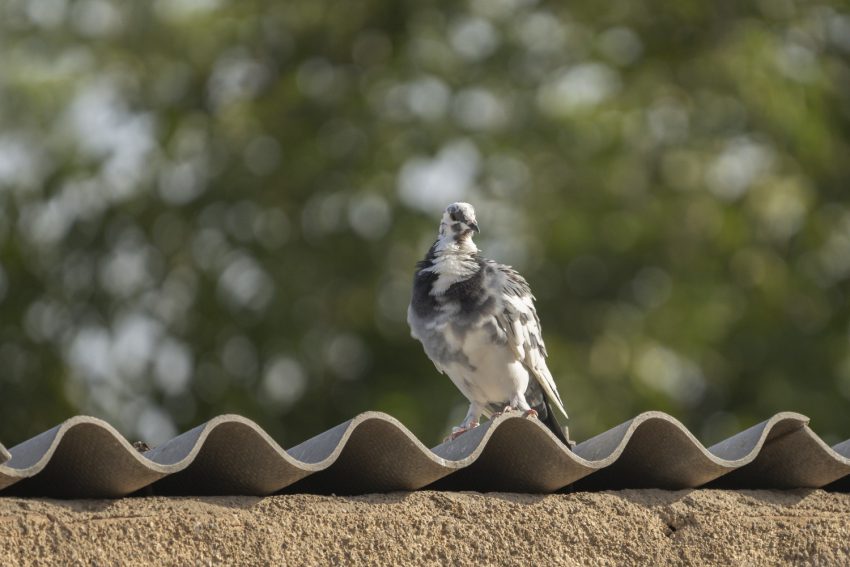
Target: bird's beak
474,226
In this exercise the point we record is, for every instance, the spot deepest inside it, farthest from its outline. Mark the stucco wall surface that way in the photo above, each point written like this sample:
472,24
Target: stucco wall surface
629,527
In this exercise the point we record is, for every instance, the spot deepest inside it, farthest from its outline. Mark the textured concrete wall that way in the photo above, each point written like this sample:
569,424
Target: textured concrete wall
648,527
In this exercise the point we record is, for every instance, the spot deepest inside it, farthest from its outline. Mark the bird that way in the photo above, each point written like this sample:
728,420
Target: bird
477,323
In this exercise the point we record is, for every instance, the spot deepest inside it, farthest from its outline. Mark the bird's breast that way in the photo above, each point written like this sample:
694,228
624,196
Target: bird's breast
493,374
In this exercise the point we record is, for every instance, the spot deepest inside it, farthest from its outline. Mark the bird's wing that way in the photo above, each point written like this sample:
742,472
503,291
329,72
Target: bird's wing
418,330
518,319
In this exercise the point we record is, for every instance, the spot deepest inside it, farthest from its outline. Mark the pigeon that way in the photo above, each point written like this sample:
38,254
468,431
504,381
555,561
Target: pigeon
477,323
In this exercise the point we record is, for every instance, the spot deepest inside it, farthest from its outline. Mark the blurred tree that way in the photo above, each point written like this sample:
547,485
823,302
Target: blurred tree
211,206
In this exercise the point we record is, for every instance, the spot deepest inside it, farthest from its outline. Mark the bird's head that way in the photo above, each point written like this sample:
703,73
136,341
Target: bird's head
458,222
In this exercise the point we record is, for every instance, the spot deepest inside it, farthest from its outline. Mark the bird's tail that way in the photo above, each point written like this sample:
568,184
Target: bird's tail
561,432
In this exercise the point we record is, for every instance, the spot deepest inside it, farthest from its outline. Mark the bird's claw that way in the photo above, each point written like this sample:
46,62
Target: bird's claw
460,430
507,409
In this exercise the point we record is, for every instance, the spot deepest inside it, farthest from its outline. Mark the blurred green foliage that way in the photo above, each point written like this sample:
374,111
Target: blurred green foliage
211,206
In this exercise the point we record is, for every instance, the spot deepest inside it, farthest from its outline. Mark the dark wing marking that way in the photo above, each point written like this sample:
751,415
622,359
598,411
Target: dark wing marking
518,319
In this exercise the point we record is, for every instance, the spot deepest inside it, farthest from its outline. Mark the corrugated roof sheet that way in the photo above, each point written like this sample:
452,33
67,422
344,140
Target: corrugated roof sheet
86,457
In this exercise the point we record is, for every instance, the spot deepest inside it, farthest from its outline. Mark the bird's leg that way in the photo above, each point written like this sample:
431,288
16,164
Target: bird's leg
470,422
519,403
506,409
461,429
522,404
530,412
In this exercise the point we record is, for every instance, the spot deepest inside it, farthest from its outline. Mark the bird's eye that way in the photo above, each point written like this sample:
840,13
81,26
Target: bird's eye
453,216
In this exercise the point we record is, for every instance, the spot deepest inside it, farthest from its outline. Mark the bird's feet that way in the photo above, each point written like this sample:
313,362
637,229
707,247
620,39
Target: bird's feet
460,430
507,409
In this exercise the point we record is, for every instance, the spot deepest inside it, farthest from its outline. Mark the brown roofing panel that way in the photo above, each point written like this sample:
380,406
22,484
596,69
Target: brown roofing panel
85,457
